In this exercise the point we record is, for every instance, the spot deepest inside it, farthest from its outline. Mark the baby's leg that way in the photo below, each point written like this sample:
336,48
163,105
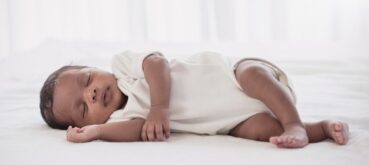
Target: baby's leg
335,130
264,127
260,82
258,127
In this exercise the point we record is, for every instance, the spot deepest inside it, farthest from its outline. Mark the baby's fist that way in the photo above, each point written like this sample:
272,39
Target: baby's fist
84,134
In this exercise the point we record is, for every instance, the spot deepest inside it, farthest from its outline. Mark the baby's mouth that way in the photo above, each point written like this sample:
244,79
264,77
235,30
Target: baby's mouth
107,96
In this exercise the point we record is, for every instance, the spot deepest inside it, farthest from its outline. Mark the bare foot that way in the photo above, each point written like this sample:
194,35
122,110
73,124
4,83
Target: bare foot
294,136
337,131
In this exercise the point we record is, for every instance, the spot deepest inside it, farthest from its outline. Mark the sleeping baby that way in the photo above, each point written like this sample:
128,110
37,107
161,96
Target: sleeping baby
146,97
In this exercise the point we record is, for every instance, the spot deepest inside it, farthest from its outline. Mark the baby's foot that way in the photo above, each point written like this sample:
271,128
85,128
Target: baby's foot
337,131
293,137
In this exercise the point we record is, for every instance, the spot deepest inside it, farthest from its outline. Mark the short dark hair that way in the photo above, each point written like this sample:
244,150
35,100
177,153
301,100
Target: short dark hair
47,97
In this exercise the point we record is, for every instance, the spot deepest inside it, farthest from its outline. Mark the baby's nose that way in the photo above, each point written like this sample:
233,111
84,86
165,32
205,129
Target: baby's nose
93,95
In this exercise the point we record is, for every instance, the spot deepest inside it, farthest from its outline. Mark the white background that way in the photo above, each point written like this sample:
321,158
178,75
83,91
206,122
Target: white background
25,24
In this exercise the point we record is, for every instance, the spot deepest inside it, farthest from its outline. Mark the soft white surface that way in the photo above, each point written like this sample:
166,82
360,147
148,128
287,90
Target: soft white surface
331,82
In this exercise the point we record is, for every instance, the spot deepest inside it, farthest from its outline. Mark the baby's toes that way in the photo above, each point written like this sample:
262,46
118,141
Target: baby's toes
340,137
337,127
337,137
290,139
280,139
285,141
344,138
274,140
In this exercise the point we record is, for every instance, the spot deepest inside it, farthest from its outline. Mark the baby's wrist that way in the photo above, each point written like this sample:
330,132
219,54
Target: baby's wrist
98,131
160,106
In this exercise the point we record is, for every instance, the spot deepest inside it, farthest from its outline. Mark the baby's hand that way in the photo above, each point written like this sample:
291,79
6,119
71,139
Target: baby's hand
84,134
156,127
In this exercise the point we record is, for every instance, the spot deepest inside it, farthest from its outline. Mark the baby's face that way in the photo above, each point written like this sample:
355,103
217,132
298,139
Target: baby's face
86,96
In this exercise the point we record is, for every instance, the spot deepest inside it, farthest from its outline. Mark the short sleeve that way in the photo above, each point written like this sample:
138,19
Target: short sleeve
129,64
117,116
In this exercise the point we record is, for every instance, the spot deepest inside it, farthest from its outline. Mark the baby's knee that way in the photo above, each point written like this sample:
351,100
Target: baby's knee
253,78
248,73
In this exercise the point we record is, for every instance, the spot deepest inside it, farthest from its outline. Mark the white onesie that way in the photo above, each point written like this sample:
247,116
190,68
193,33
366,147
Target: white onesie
205,96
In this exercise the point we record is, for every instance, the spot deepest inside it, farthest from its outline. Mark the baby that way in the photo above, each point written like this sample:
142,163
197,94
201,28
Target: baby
146,98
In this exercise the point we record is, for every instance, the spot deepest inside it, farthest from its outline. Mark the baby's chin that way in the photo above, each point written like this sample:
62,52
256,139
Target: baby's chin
118,99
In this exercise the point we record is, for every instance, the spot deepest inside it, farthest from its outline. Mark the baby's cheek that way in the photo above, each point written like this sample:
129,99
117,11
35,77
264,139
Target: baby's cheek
100,115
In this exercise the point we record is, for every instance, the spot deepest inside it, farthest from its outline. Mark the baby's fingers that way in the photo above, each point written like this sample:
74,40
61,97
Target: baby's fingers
78,138
159,132
143,132
73,135
150,132
70,134
166,130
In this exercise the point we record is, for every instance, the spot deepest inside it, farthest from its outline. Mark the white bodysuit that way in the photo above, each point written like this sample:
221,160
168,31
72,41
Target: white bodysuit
205,96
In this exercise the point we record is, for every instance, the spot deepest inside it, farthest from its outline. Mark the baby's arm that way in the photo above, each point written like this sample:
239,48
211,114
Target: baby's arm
157,74
124,131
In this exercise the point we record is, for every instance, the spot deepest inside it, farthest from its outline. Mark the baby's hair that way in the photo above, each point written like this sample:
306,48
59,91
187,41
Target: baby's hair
47,97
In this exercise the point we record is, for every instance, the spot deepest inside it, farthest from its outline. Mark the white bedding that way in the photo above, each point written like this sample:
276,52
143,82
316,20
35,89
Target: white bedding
331,82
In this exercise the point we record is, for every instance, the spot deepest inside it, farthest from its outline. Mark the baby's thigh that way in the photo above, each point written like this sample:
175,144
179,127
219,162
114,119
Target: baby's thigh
259,127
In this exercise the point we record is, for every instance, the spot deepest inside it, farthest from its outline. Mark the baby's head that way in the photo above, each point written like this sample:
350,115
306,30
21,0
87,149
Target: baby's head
79,96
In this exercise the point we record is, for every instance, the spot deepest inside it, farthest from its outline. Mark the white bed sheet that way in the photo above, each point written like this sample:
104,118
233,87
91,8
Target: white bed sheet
331,81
